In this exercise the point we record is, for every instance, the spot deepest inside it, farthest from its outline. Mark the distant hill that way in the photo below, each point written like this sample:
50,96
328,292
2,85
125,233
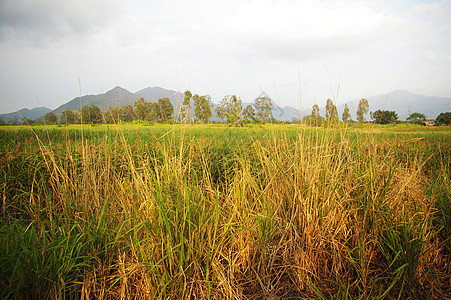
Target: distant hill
116,97
152,94
399,101
32,114
402,102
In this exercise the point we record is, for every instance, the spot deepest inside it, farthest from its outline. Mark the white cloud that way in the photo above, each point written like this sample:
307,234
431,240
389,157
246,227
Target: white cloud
39,22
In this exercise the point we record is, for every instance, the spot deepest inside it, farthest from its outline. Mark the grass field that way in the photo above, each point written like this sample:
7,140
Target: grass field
216,212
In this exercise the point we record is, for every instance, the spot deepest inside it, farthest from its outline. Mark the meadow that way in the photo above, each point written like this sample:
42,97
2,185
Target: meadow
217,212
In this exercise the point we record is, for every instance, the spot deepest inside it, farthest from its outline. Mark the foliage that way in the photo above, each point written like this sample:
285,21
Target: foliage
186,107
2,122
385,117
443,119
314,119
164,109
69,117
91,114
362,110
263,108
230,109
141,112
331,112
416,118
127,113
202,108
346,116
249,114
50,117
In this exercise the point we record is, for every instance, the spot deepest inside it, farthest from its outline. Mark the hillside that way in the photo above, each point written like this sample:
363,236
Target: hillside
116,97
31,114
402,102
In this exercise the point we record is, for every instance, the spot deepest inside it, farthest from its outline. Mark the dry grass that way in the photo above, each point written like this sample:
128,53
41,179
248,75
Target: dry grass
322,215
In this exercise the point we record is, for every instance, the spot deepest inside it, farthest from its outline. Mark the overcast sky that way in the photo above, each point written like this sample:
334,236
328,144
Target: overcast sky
298,52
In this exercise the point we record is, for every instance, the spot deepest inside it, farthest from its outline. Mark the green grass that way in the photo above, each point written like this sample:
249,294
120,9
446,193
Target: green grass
209,211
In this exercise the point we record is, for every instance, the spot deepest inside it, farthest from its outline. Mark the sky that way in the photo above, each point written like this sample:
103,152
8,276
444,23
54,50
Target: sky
299,52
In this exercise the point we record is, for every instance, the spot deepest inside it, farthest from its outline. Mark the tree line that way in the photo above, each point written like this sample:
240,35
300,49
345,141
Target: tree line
377,117
230,110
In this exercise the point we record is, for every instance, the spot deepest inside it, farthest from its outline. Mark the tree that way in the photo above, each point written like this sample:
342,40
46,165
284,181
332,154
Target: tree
230,108
67,117
127,113
13,122
91,114
331,112
202,108
249,114
50,117
346,115
443,119
140,109
385,117
263,106
315,118
165,109
113,115
417,118
362,110
186,108
2,123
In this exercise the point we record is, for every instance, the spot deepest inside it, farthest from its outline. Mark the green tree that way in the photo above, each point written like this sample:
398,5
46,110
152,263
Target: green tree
2,122
443,119
249,114
186,108
331,112
315,118
127,113
230,108
140,109
91,114
50,118
113,115
362,110
13,122
346,116
165,109
263,108
202,108
385,117
67,117
417,118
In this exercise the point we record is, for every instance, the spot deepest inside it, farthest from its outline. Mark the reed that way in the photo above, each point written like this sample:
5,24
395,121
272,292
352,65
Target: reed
206,212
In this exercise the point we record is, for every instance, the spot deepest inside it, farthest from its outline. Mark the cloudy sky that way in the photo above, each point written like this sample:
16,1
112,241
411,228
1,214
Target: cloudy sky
298,52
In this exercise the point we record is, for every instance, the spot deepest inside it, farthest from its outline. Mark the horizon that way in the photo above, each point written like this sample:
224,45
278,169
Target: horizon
299,52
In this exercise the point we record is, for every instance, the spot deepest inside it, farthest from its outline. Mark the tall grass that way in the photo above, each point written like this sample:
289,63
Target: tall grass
265,214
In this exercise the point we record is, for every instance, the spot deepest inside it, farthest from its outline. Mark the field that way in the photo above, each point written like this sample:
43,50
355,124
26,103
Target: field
216,212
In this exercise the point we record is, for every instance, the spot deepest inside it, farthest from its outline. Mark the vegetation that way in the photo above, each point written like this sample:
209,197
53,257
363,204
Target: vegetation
443,119
384,117
331,112
346,116
362,110
417,118
217,212
202,109
230,108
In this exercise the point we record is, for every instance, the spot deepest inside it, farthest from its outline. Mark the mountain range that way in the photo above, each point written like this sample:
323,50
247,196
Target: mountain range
402,102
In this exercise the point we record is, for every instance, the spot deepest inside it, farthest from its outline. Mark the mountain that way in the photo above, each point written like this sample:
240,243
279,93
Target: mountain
152,94
31,114
402,102
116,97
399,101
